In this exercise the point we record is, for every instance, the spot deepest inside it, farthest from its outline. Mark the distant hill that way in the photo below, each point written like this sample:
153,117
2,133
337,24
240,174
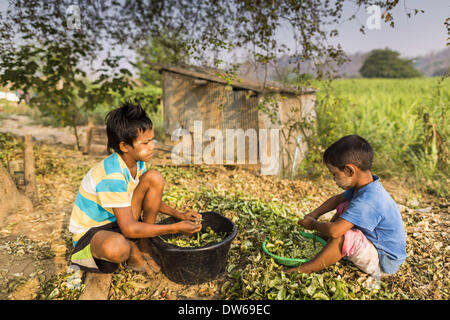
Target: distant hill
431,64
435,63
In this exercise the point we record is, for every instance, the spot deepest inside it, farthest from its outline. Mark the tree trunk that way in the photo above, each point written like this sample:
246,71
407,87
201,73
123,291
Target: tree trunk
11,199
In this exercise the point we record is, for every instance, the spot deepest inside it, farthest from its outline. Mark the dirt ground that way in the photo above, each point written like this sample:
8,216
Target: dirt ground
34,248
21,125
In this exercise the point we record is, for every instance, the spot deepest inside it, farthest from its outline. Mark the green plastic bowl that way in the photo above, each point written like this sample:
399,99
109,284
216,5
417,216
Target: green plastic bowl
291,262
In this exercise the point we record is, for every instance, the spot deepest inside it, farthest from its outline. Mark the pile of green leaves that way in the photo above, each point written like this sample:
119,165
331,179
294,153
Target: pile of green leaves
200,239
293,245
23,245
59,287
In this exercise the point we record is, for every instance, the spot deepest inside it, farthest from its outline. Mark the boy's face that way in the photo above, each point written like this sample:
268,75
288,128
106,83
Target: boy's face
343,178
143,146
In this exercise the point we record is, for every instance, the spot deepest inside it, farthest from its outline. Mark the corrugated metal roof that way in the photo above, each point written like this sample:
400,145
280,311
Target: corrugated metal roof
241,83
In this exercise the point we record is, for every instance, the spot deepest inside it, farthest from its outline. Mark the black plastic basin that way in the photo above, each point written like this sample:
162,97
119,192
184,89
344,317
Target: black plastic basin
194,265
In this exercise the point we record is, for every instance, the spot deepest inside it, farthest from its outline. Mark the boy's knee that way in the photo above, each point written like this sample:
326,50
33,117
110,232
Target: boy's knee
117,248
154,178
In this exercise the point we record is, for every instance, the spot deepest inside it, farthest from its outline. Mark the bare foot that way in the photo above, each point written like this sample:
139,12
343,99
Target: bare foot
140,267
152,263
137,262
291,270
298,269
144,248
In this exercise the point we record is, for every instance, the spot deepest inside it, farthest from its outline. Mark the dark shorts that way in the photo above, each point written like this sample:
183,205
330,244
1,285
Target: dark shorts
82,256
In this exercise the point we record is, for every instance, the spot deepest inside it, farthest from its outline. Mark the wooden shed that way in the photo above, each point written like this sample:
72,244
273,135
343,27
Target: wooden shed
194,95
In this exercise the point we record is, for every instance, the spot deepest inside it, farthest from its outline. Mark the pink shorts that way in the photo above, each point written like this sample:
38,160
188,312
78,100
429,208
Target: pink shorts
358,249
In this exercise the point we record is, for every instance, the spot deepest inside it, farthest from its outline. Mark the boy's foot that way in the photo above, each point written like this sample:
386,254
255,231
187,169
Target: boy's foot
292,270
144,247
152,263
298,269
138,262
140,267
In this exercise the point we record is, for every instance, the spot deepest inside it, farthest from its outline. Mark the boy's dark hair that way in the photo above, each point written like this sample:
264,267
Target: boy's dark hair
349,149
123,124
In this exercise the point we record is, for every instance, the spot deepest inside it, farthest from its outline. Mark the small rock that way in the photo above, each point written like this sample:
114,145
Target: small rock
413,203
424,210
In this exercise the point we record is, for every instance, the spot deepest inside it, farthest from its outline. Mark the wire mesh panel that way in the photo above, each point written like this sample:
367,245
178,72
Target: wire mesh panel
240,128
225,124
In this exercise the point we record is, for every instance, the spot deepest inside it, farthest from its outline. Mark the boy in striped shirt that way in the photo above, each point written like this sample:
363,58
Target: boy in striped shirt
119,199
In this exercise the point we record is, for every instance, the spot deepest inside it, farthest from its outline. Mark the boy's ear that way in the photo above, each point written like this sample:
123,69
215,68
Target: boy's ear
123,146
349,169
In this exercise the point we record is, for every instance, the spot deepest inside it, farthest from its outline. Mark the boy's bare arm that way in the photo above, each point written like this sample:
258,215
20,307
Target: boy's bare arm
188,215
133,229
166,209
329,229
327,206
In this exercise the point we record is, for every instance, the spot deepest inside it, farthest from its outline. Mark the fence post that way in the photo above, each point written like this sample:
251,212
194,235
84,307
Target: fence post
89,134
30,172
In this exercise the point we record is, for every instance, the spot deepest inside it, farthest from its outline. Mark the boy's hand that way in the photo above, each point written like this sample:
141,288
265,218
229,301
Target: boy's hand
309,215
307,222
188,227
191,215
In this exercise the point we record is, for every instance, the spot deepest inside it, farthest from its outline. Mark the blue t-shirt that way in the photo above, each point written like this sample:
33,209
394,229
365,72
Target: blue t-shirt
375,213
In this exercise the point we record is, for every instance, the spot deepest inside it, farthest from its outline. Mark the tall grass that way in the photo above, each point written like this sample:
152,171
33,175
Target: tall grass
403,119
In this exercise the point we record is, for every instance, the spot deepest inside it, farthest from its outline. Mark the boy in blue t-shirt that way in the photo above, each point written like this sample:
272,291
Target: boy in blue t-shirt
367,228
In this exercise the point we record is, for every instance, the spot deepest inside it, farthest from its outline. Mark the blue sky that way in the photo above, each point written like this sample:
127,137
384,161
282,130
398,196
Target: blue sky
418,35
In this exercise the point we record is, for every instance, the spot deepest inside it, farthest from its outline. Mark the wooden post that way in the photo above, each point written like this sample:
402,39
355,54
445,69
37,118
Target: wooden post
29,167
89,131
96,286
